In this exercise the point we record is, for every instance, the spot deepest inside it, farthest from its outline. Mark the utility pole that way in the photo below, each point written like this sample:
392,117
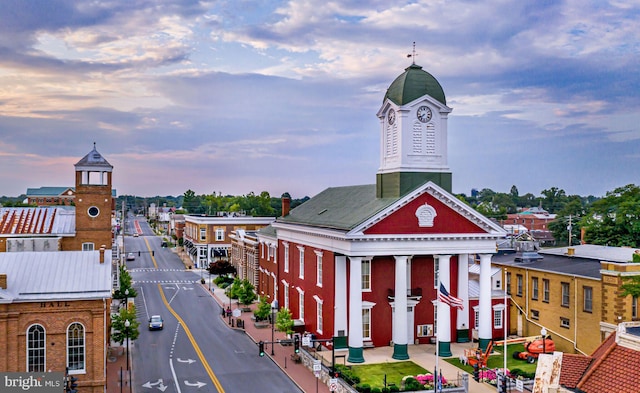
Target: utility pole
570,227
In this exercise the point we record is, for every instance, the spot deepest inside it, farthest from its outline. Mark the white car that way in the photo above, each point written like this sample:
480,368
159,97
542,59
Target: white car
135,234
131,256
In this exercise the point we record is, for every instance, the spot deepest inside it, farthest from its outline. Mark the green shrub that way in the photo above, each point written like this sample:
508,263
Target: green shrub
375,390
364,388
394,389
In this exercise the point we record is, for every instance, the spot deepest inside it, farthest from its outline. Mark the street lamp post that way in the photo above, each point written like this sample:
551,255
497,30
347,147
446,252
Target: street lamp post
126,299
274,308
543,331
126,333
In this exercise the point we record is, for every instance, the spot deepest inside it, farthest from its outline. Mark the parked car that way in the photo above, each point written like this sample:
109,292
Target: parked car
135,234
156,322
131,256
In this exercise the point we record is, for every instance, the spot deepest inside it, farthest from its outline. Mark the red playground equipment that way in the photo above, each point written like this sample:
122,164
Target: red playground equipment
533,348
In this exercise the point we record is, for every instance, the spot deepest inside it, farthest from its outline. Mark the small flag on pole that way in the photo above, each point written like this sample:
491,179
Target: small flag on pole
445,297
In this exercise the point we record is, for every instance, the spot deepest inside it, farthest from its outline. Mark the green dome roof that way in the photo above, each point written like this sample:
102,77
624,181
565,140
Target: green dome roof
412,84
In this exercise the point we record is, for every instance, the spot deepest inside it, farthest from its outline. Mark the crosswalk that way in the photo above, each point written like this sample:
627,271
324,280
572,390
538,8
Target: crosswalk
151,269
165,281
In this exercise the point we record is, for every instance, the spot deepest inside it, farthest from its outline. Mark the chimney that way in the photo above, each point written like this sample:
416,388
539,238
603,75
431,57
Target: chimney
102,248
571,251
3,281
286,204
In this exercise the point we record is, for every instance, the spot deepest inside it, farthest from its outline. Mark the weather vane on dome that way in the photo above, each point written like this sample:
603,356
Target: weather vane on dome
413,54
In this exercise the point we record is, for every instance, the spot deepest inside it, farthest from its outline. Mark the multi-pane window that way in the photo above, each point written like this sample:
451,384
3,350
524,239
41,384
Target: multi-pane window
87,247
497,319
535,314
301,261
366,275
319,316
219,234
366,323
519,284
545,290
286,257
319,268
75,347
203,234
634,307
301,305
565,294
534,288
286,296
508,284
436,266
564,322
476,319
36,349
588,299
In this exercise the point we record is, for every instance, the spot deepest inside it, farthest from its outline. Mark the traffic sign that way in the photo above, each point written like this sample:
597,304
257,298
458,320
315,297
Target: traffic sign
333,384
306,341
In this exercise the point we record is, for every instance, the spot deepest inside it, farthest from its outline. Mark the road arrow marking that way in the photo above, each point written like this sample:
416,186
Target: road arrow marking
198,384
187,289
162,387
186,361
150,385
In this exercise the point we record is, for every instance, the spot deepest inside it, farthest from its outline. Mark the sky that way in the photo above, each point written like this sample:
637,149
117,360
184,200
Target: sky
244,96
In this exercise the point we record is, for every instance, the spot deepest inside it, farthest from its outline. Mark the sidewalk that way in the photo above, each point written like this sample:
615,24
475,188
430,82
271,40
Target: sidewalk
116,364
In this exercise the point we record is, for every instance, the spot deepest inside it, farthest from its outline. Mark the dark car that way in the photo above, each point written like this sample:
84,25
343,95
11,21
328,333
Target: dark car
156,322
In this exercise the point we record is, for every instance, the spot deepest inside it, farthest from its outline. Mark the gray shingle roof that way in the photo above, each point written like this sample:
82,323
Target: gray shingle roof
48,191
341,208
56,275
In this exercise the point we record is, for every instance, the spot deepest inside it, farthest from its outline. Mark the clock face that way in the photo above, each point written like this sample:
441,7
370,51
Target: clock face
93,211
391,116
424,114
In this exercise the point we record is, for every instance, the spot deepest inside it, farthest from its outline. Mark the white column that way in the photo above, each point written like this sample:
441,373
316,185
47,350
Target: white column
484,305
400,315
355,310
444,311
340,299
463,292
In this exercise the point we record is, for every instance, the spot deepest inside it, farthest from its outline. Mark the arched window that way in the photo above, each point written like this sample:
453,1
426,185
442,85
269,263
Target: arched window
75,346
36,349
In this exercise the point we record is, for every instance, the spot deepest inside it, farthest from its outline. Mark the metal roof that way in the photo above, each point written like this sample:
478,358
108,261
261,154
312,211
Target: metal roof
93,161
341,208
48,191
55,275
29,221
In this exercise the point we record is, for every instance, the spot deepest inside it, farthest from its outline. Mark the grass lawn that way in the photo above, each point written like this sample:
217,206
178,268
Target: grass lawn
497,360
373,374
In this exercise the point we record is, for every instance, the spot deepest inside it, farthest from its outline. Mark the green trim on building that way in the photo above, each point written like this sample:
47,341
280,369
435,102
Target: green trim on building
398,184
444,349
412,84
355,355
400,351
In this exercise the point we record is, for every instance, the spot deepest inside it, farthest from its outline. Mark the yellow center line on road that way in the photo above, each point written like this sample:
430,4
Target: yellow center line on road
213,377
155,264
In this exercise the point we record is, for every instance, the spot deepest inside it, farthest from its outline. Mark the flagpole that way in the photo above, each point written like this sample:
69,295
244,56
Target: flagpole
438,309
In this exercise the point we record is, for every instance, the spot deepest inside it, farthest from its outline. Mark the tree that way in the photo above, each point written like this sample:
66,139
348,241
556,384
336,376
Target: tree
221,268
554,199
125,284
615,219
118,324
569,215
247,293
263,309
284,321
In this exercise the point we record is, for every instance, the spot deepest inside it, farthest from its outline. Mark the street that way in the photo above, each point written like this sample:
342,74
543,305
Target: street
195,350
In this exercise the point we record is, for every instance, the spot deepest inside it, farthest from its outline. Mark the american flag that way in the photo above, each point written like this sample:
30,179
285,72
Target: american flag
445,297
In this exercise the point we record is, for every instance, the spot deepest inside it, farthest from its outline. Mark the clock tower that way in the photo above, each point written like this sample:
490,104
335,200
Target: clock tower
413,146
94,202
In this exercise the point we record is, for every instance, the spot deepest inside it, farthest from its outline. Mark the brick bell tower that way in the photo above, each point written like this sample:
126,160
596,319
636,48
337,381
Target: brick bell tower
94,201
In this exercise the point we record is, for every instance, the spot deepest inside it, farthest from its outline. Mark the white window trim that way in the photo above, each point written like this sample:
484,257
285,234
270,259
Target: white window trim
27,345
88,246
300,304
498,307
362,262
319,310
286,257
84,349
301,261
319,268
